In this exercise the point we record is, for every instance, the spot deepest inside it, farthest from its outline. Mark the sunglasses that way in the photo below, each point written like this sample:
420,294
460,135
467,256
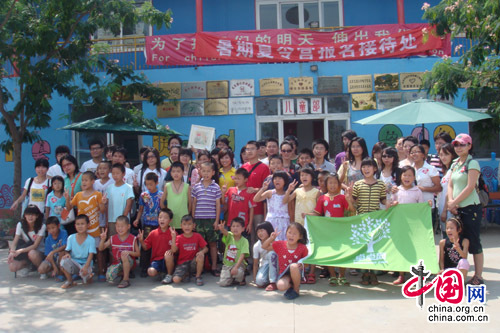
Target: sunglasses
387,156
286,150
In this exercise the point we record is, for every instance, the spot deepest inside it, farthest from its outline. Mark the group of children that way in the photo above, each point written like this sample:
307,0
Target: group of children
179,224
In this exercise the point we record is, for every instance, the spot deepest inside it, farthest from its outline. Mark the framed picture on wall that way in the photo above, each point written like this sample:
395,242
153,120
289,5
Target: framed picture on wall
201,137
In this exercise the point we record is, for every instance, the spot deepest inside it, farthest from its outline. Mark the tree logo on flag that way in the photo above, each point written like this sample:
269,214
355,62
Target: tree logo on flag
370,231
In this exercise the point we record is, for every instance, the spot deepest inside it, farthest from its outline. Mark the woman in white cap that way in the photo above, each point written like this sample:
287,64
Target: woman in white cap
464,201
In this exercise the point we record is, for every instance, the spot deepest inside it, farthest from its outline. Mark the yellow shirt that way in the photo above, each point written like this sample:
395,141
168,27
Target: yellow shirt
225,178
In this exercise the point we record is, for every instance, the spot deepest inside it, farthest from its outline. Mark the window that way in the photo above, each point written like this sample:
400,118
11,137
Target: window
294,14
480,103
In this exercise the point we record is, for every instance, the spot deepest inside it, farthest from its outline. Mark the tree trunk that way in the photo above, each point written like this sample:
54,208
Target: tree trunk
16,155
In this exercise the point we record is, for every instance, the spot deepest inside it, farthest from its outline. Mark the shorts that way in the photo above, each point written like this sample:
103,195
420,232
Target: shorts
205,227
73,267
471,218
226,278
48,263
159,265
463,264
187,267
116,270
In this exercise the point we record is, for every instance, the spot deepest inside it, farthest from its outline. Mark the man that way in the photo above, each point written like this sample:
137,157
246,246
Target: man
96,149
272,148
320,151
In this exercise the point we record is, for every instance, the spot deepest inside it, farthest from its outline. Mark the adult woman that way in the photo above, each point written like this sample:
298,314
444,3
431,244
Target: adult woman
292,139
72,183
150,163
227,171
446,156
286,150
243,155
377,153
390,171
173,141
427,176
401,150
408,143
464,201
350,170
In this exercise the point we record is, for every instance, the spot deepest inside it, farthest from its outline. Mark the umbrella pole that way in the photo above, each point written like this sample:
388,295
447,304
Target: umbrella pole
423,131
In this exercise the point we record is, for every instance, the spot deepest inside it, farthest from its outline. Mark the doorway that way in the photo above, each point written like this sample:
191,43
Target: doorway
306,130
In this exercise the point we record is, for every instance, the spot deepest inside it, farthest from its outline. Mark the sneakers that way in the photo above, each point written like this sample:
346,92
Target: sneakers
44,276
23,272
167,280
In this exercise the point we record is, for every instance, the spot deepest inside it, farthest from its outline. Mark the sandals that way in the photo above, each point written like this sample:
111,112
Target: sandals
311,278
67,284
365,279
124,284
373,279
342,281
475,281
215,272
333,281
199,281
324,273
291,294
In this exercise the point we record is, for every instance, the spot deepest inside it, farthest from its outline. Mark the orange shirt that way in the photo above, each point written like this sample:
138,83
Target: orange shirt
90,207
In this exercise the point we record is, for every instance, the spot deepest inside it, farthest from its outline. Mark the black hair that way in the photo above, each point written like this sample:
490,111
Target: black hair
395,170
411,138
71,159
369,161
121,150
242,172
187,217
156,153
333,176
261,143
119,166
275,156
174,137
228,152
458,224
302,232
151,176
42,162
292,138
444,136
89,174
83,217
59,179
324,173
213,164
239,220
109,148
406,168
286,143
425,142
52,220
177,165
215,151
123,218
105,162
252,142
449,149
322,142
350,134
96,142
166,210
62,149
203,152
223,140
267,226
32,209
378,147
306,151
362,143
143,149
283,175
242,151
272,140
309,171
186,152
420,147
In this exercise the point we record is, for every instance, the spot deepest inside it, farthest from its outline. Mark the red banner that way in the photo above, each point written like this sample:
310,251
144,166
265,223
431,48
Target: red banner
180,49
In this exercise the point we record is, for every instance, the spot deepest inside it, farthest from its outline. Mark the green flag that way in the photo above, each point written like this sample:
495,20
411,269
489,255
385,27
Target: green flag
391,240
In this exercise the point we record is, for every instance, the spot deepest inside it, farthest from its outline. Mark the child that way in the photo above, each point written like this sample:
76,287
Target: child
366,195
289,252
90,202
81,247
453,250
160,242
234,264
390,173
120,197
101,185
35,188
191,248
238,202
331,204
55,243
124,248
178,195
55,199
206,196
277,202
149,207
321,181
27,245
265,263
305,196
120,157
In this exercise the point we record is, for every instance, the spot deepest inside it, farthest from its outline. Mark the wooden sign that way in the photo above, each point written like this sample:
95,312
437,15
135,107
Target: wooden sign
173,90
241,105
217,89
385,82
270,87
192,108
216,107
330,85
300,85
194,89
359,83
364,102
242,87
168,109
411,81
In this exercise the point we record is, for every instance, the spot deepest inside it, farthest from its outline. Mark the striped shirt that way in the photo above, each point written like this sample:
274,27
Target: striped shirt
205,200
369,196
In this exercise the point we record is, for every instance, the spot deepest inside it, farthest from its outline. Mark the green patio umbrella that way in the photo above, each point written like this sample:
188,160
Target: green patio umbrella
423,111
100,125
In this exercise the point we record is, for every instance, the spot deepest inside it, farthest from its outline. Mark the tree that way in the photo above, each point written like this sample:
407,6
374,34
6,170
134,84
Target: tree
49,46
369,232
478,69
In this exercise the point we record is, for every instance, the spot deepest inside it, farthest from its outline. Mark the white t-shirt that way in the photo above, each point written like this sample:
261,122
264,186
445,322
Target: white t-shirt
129,176
99,186
38,193
32,236
424,175
260,253
444,192
89,165
55,170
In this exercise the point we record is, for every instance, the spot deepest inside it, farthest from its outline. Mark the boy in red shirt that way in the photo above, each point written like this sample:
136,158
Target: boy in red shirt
160,241
192,249
238,202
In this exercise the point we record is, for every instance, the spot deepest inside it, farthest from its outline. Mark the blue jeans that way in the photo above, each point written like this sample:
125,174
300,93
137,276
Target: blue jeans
268,271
